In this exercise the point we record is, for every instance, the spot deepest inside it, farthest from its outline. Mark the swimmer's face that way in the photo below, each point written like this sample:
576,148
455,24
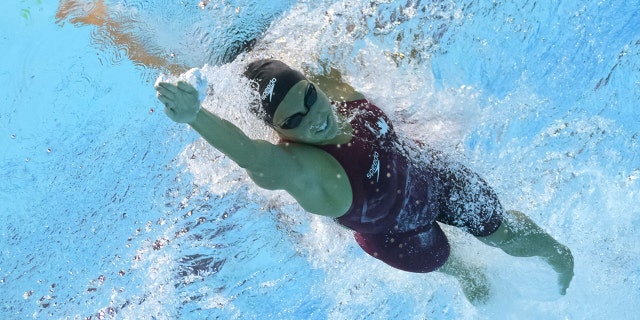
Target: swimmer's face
305,115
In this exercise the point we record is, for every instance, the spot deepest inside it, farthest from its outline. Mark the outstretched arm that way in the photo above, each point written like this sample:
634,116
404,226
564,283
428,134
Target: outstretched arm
183,106
314,178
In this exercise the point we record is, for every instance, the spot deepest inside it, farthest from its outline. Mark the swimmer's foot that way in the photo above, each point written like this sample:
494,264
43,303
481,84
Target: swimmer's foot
82,12
519,236
562,262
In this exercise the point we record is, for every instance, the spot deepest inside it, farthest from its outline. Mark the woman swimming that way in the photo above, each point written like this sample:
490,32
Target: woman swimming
344,160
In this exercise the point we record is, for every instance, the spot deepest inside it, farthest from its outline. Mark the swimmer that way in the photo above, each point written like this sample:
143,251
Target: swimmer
343,159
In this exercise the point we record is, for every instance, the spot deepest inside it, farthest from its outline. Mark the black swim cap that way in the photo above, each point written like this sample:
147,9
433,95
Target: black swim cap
274,79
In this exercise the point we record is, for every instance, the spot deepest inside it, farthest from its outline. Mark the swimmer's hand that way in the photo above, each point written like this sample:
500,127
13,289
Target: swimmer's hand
180,101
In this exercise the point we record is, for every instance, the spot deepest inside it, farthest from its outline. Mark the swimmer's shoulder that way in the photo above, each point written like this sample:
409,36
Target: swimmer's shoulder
335,87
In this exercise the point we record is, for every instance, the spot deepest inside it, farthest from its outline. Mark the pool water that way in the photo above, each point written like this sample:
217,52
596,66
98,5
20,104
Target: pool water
110,210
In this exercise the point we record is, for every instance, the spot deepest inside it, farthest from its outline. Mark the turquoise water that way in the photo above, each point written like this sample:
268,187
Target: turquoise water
108,208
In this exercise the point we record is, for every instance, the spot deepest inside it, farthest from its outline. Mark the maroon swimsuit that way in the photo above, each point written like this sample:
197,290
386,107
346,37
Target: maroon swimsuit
396,202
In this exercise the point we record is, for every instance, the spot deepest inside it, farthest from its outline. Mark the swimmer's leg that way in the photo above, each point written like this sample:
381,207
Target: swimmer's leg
520,237
472,278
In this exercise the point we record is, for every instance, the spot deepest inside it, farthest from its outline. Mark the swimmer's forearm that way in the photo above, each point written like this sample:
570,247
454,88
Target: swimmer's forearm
226,137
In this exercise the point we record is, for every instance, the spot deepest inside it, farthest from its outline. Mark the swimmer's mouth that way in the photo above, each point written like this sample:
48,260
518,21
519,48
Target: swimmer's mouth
323,126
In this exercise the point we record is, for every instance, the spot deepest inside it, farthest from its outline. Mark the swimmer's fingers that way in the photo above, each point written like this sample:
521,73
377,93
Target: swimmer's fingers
170,112
186,87
170,87
166,91
175,91
164,99
180,100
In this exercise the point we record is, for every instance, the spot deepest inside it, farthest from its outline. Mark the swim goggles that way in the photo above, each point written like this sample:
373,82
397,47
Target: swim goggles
310,97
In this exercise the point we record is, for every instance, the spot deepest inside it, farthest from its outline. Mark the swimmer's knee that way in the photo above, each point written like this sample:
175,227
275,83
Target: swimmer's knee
500,236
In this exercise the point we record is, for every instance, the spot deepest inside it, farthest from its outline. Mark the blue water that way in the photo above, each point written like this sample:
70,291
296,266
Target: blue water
108,208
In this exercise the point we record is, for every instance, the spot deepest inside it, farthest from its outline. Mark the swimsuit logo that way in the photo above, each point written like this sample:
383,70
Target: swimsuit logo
383,128
375,167
269,90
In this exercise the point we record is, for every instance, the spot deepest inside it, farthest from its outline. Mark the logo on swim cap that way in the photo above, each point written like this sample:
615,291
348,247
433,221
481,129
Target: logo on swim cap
269,89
